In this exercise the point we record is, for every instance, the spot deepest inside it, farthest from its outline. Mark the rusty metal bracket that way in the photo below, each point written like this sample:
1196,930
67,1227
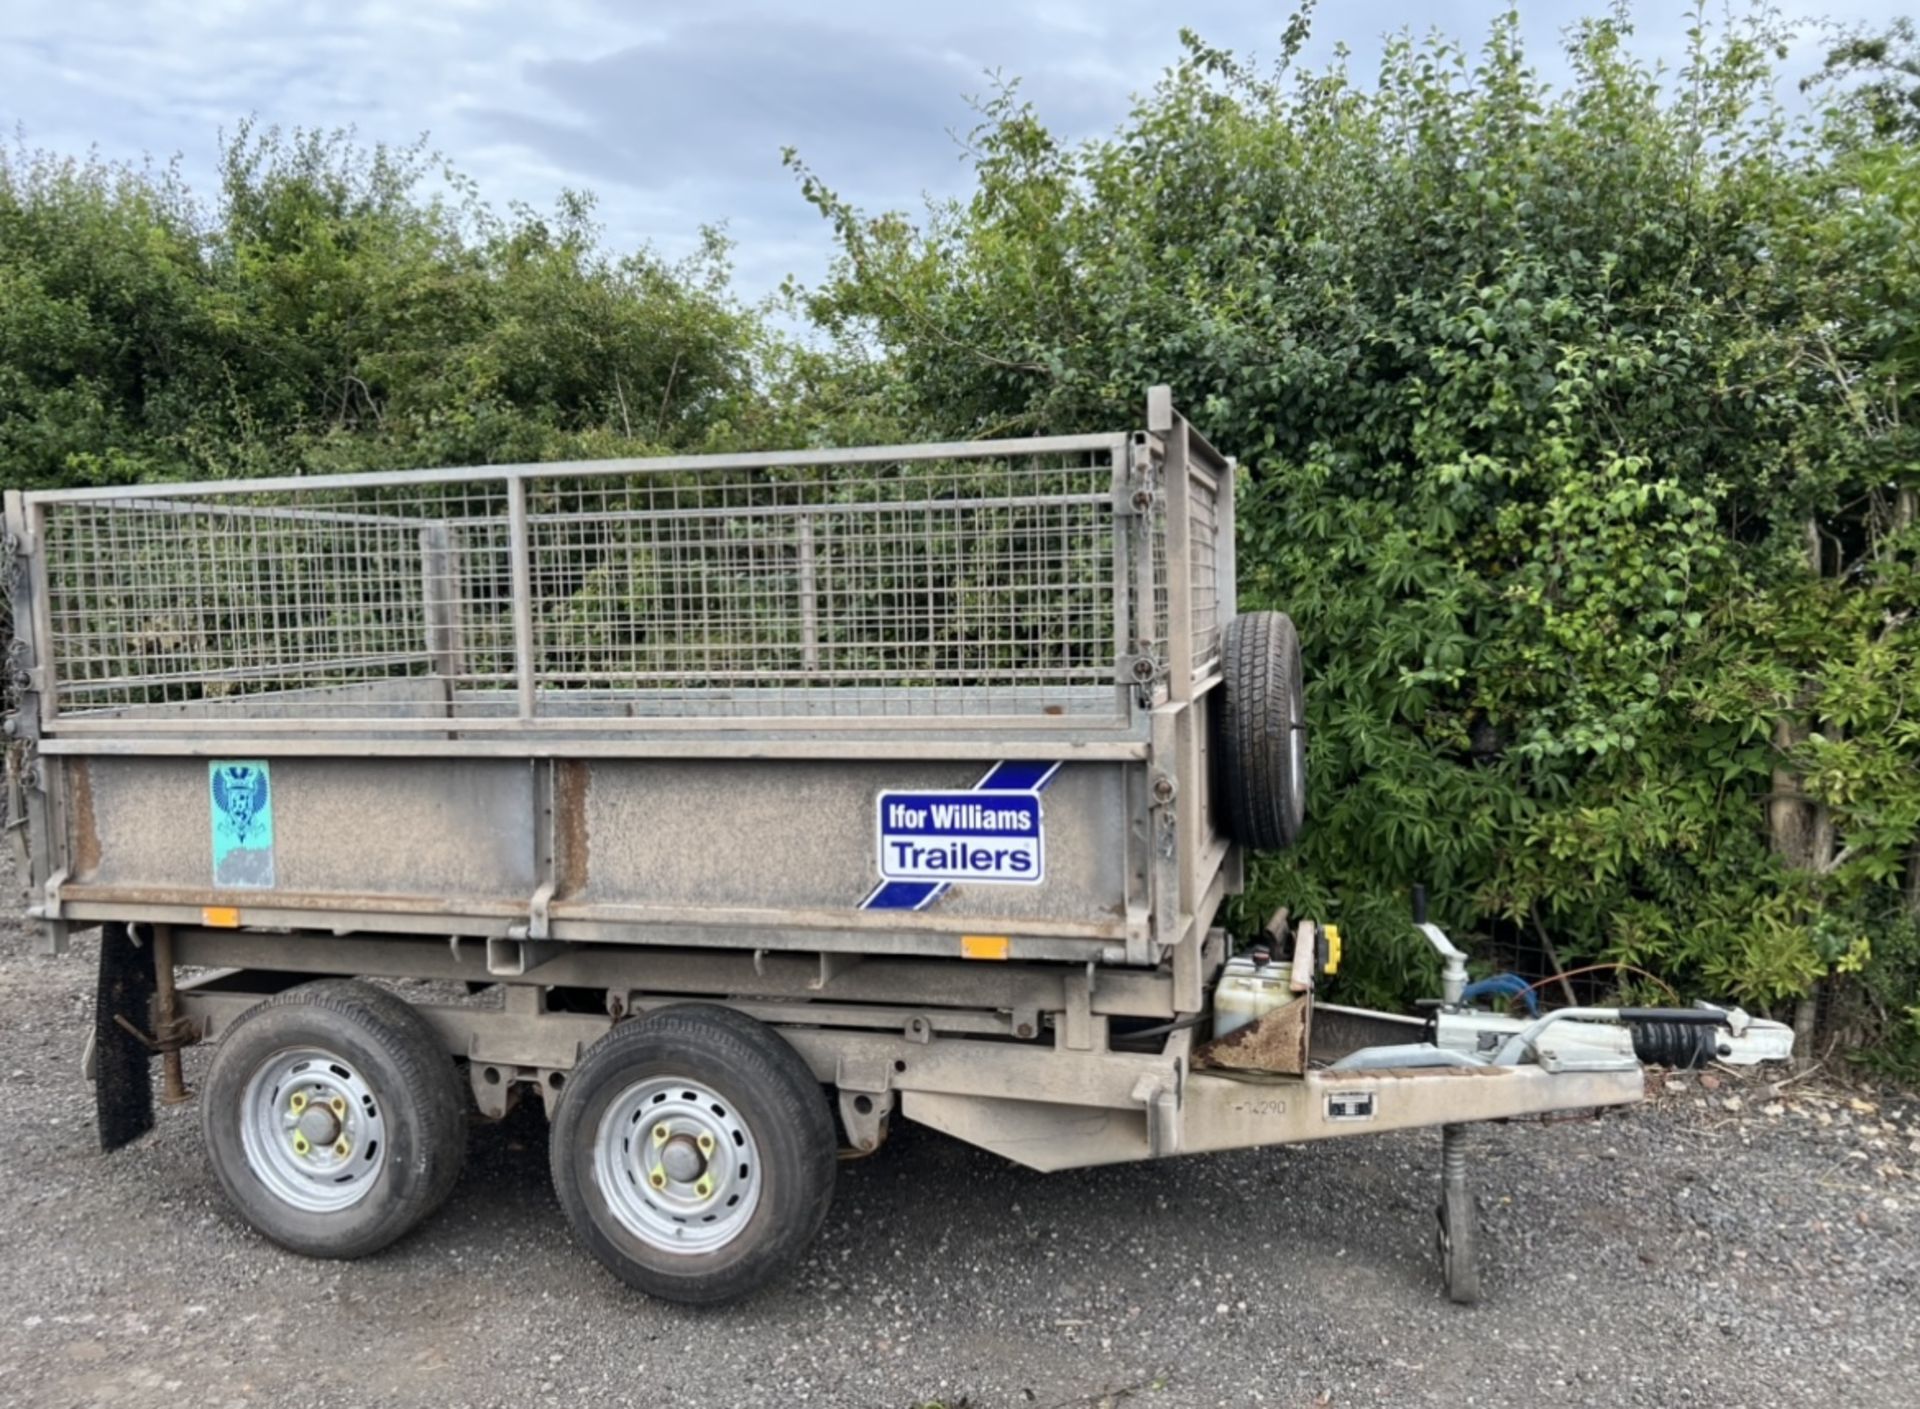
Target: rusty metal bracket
171,1036
167,1018
1276,1041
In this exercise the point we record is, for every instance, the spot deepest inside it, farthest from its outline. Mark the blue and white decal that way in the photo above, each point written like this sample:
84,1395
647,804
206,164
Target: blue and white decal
240,794
991,834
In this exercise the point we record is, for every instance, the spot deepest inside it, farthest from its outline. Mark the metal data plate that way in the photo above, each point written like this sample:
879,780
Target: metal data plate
1350,1105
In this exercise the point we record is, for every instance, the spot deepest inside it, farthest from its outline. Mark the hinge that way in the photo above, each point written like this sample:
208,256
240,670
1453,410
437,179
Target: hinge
537,911
49,907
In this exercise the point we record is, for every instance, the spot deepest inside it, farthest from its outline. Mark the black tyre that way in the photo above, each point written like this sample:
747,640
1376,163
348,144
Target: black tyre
694,1153
1259,733
334,1118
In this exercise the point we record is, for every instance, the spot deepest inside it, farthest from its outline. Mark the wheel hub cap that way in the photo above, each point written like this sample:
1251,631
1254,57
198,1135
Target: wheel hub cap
681,1160
678,1165
313,1132
319,1125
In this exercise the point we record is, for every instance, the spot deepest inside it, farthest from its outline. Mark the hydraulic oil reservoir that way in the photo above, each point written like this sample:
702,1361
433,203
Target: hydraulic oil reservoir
1250,986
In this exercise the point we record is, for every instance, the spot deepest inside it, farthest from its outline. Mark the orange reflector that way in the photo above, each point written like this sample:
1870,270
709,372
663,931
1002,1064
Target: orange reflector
983,946
220,917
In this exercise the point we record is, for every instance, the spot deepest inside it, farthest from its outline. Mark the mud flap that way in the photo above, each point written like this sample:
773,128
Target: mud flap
122,1076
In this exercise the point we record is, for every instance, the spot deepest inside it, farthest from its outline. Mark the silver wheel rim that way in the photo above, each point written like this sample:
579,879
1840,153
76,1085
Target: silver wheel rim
677,1165
314,1132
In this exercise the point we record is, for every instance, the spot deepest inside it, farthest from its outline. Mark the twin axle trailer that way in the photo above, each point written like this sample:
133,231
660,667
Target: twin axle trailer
735,806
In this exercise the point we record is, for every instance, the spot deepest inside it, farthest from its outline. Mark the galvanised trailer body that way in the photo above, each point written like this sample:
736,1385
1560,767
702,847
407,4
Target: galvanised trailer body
920,772
646,701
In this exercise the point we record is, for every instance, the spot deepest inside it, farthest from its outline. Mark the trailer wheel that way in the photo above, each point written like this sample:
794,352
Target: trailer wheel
694,1153
1260,732
334,1118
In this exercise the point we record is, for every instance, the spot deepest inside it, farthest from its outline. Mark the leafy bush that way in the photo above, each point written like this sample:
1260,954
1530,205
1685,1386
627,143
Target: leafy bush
1577,437
337,309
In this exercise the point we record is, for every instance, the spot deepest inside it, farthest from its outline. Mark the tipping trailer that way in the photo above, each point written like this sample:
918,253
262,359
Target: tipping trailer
732,805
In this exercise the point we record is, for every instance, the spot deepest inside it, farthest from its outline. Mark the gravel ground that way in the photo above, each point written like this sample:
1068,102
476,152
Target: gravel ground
1721,1245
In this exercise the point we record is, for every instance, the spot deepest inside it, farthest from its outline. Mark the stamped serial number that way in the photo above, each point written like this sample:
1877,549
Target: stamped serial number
1267,1107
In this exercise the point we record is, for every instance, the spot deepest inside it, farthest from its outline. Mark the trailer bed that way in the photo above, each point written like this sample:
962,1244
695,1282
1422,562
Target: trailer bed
639,701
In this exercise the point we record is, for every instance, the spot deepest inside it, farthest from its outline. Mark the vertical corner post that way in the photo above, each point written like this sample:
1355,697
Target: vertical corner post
519,550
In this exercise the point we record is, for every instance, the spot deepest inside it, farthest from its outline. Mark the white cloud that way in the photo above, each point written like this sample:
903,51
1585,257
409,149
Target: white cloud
675,113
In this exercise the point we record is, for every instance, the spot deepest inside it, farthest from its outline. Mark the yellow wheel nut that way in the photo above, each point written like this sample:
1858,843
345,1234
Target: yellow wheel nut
704,1187
658,1179
661,1134
706,1144
300,1145
338,1105
297,1102
342,1148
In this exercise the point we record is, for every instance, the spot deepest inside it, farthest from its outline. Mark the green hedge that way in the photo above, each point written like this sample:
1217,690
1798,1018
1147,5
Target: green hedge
1577,429
336,307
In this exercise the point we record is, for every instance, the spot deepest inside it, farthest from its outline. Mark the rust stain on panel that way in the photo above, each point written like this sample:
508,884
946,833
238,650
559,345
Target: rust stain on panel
571,845
86,833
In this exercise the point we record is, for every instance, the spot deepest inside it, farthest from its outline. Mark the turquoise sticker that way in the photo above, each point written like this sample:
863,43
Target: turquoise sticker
242,823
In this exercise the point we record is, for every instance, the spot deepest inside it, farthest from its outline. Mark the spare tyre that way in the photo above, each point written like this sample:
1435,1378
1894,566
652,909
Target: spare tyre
1260,733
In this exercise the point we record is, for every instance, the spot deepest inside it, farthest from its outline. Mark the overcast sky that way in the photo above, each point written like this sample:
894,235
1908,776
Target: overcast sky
672,112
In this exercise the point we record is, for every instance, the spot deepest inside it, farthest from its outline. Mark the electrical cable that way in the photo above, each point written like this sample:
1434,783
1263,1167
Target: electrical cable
1163,1029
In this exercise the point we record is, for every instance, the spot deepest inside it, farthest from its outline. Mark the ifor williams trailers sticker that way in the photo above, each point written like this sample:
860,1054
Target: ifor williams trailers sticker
993,833
962,836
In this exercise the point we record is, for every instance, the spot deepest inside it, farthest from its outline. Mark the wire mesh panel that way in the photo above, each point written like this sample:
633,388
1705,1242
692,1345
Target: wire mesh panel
923,582
1203,560
829,589
160,602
